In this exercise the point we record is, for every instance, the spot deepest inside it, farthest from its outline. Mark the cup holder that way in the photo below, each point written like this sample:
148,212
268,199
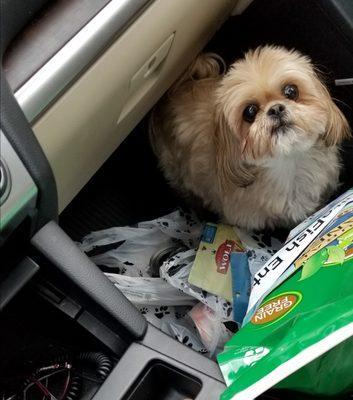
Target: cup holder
160,381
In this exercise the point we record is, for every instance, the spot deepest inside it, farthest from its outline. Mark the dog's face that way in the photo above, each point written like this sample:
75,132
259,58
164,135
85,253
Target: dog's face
272,103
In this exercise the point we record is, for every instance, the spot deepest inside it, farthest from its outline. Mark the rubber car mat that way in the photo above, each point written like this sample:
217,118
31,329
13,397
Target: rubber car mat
127,189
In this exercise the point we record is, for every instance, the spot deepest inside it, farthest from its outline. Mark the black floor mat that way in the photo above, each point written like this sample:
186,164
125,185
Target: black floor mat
128,188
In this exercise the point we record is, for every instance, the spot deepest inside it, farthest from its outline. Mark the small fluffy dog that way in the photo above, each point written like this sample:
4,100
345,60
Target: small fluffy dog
258,145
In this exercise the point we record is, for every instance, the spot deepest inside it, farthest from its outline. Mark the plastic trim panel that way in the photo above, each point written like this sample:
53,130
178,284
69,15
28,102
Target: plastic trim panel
44,86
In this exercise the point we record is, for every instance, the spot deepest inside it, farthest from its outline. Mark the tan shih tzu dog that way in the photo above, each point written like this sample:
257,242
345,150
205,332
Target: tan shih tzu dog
258,145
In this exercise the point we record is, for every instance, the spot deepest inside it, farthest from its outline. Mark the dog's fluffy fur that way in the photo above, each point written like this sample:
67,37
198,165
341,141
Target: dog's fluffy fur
268,173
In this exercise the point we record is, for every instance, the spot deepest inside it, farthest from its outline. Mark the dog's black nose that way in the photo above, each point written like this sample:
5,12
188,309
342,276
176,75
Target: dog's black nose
276,110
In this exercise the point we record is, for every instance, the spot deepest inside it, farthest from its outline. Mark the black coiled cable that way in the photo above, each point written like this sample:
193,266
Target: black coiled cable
74,388
101,363
97,362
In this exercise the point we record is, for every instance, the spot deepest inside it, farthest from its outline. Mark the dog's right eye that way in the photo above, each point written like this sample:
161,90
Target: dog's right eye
250,112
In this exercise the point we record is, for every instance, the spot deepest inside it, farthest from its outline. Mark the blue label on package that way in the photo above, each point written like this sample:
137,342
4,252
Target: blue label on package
241,281
209,233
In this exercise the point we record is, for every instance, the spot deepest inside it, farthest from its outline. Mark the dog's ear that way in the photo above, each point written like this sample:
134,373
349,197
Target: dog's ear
230,168
337,128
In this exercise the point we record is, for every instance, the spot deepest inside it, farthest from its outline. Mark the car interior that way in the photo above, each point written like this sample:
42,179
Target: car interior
78,80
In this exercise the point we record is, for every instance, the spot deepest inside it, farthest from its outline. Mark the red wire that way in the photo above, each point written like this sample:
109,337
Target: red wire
44,390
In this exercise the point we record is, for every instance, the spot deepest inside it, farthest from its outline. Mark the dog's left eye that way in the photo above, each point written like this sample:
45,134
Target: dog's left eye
250,112
291,92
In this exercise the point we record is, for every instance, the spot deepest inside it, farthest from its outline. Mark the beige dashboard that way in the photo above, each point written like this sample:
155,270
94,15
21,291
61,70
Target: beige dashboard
89,120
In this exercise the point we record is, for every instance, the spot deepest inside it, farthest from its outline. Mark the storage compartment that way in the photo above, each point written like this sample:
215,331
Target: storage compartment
162,382
159,368
43,350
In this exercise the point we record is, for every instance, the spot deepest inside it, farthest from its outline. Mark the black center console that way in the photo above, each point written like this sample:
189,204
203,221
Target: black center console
150,364
69,308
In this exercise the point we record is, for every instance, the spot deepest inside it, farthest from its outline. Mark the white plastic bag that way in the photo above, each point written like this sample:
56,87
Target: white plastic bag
150,291
134,246
212,331
166,300
176,271
129,263
259,247
175,322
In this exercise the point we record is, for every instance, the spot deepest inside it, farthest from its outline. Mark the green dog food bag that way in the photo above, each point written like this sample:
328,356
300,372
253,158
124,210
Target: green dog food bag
300,337
284,263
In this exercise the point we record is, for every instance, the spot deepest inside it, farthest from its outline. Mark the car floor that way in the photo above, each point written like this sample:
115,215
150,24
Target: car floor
128,188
